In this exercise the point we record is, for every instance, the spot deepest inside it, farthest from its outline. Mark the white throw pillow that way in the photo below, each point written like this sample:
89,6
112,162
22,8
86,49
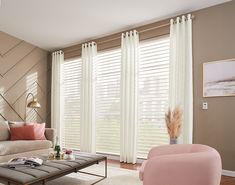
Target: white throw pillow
4,131
16,123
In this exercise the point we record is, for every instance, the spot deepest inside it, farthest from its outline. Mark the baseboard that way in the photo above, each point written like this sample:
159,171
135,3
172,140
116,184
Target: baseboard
110,156
117,157
228,173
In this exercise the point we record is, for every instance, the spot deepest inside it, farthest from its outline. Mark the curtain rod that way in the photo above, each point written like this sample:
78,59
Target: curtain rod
141,31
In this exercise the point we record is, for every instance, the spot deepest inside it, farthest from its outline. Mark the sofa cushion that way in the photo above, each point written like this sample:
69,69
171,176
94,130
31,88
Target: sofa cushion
20,146
4,131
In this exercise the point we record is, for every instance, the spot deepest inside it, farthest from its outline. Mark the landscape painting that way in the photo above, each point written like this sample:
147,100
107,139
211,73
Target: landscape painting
219,78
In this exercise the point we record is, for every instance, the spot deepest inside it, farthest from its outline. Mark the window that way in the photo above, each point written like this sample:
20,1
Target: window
71,84
153,94
108,102
153,99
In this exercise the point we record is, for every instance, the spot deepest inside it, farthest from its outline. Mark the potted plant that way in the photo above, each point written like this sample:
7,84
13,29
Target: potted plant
173,120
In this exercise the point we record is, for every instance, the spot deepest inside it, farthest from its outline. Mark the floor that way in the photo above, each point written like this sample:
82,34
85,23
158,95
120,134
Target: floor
227,180
224,180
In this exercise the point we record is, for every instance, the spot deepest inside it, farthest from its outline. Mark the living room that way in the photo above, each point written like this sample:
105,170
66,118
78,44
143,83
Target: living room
144,89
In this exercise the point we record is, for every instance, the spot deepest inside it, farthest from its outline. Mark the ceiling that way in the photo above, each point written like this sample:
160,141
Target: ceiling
53,24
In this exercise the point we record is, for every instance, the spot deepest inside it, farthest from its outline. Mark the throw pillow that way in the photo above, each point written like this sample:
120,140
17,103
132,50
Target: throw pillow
16,123
30,131
22,133
39,130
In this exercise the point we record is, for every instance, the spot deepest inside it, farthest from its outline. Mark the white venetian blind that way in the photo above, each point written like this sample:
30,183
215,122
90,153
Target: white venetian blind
71,84
153,94
108,102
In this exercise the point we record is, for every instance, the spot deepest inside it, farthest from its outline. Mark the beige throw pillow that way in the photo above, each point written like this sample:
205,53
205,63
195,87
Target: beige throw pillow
16,123
4,131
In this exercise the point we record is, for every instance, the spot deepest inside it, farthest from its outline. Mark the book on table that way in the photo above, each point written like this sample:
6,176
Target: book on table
32,161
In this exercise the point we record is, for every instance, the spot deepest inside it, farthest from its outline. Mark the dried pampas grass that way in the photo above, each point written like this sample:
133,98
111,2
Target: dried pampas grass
174,122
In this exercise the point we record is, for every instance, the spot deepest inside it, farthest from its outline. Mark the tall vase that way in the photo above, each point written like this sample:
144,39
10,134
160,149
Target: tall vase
173,141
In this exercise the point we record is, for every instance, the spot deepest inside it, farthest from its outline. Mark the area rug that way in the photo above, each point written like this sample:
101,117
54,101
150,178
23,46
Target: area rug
116,176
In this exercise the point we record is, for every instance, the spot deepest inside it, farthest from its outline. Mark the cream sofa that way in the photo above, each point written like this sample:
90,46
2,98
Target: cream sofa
23,148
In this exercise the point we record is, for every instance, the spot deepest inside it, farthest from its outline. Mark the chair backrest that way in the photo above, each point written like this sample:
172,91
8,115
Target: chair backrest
178,149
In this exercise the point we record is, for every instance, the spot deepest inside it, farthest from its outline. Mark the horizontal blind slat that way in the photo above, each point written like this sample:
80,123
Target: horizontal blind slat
153,95
108,102
71,84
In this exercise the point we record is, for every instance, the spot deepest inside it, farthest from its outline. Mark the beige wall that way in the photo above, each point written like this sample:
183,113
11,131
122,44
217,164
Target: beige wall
23,69
214,39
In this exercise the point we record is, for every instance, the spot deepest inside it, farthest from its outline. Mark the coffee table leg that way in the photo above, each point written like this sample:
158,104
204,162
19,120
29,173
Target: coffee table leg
106,166
8,183
43,182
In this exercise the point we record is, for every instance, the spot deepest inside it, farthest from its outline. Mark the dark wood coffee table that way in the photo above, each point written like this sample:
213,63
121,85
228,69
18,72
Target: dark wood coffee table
51,169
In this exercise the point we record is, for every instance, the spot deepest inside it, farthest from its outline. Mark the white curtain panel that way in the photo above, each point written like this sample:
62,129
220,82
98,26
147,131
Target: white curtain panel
129,103
87,127
181,76
56,92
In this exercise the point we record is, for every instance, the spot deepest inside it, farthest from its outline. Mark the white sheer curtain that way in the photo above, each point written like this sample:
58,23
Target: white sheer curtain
56,92
129,103
87,130
181,79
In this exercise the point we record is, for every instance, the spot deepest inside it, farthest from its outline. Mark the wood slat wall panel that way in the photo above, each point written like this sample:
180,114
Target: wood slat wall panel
24,69
21,69
9,43
15,55
18,89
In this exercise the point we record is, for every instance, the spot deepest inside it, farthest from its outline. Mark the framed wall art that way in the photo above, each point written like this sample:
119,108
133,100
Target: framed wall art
219,78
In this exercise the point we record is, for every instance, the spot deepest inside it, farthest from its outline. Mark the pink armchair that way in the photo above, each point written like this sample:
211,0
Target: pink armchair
181,165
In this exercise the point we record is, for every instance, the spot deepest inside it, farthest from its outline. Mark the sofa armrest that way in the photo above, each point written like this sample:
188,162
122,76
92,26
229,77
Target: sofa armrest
50,134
